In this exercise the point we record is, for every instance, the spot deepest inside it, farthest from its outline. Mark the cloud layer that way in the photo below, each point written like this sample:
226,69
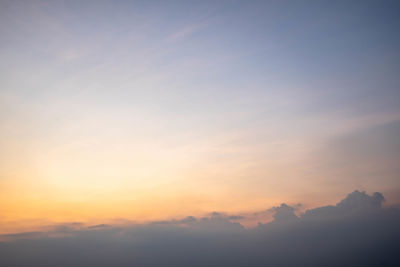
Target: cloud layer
357,231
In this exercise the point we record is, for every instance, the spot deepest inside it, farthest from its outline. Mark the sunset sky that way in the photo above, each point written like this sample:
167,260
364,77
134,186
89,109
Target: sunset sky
131,110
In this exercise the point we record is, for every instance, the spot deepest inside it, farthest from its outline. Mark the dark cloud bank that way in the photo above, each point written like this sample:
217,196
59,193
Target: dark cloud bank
357,231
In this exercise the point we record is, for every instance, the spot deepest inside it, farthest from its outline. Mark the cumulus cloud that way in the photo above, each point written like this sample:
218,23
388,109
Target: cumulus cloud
284,213
236,217
357,231
356,204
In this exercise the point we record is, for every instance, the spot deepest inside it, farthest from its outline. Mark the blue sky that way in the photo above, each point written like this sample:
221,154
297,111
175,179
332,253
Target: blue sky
201,101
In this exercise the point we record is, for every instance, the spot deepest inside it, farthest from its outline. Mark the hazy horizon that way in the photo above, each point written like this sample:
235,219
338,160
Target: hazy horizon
356,231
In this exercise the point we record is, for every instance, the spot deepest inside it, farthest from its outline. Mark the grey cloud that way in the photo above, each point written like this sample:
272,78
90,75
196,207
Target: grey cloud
354,205
99,226
236,217
284,213
357,231
188,220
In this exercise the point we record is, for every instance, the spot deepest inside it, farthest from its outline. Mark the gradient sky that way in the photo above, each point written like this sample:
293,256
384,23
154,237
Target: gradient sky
149,110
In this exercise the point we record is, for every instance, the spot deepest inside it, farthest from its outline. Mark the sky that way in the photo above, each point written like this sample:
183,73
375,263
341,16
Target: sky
158,110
